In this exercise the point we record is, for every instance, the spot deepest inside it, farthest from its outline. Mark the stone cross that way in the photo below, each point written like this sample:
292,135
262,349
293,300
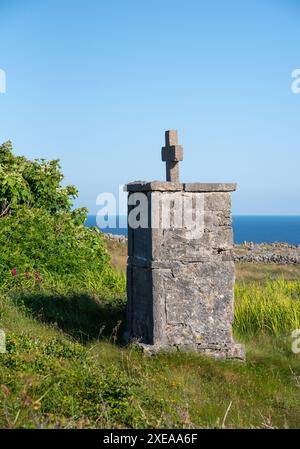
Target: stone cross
171,154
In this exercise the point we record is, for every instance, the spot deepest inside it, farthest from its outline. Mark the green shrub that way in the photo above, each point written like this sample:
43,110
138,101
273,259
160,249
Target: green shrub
32,184
34,241
44,244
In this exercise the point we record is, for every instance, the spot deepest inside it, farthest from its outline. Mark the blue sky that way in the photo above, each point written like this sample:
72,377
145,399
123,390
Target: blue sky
96,83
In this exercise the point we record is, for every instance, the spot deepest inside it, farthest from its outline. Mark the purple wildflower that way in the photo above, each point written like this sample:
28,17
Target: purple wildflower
37,277
14,271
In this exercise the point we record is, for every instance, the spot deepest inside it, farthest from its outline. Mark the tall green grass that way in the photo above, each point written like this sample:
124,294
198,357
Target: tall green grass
272,307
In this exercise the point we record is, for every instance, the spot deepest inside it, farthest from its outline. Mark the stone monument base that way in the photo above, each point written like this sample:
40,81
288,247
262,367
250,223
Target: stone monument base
231,350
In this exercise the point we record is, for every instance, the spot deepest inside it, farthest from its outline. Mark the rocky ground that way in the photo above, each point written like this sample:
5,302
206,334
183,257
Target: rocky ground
279,253
116,238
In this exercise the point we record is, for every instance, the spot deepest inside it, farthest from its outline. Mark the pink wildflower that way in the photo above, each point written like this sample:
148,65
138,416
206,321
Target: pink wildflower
37,277
14,271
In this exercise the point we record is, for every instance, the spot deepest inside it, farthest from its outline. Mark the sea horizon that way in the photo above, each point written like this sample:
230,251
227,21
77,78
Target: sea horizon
246,228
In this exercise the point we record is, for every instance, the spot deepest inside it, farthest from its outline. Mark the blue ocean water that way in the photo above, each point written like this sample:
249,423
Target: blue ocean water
266,229
249,228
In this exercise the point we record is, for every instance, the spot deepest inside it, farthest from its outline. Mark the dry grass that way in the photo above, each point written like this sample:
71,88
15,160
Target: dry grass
118,253
247,271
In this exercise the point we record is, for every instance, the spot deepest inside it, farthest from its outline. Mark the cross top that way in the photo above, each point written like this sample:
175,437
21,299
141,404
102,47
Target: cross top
171,154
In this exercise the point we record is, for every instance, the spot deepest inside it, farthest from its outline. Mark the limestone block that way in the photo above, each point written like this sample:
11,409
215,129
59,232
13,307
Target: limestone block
217,201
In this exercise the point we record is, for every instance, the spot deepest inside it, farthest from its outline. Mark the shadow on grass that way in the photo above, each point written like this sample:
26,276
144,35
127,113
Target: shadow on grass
81,316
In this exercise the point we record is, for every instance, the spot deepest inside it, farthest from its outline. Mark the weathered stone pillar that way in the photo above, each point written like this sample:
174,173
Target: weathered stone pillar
180,273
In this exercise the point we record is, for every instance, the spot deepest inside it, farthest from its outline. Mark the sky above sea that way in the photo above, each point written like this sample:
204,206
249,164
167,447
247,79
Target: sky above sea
96,84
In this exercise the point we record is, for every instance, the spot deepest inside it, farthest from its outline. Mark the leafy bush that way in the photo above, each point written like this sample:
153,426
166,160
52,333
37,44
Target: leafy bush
41,237
33,241
34,184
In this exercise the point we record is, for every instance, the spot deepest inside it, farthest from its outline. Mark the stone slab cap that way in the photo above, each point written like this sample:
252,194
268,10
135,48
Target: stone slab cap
164,186
161,186
209,187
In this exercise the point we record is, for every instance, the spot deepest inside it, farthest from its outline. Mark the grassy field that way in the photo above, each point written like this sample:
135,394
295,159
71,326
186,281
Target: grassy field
65,368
